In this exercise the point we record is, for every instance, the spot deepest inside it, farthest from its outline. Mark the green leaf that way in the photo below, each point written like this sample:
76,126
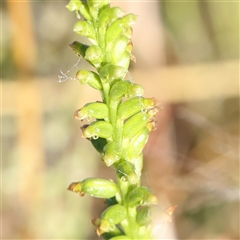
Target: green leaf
79,48
99,144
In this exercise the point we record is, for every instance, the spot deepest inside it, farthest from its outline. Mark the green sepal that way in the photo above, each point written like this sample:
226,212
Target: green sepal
144,216
115,214
134,124
79,48
98,129
85,29
96,187
118,90
141,196
99,144
126,172
94,55
124,61
138,163
114,31
110,72
118,49
90,78
97,110
111,154
137,143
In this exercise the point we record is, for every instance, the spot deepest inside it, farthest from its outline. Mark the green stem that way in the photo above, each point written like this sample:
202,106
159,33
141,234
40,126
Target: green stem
130,226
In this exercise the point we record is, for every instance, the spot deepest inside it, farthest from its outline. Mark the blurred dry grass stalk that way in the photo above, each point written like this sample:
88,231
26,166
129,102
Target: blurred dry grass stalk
189,160
28,104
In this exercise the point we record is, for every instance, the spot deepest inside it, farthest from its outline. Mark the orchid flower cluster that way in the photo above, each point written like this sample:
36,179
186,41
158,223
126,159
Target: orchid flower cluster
119,126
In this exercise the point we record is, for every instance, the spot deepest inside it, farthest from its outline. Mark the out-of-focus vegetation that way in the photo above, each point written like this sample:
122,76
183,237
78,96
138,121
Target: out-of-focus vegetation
42,146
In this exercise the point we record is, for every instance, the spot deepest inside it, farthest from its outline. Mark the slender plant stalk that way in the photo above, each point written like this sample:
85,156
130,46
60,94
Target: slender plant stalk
119,126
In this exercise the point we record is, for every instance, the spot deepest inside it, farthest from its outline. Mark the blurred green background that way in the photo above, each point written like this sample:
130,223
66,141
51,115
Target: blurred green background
189,62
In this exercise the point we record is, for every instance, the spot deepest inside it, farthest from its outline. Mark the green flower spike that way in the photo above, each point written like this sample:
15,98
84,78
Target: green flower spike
119,124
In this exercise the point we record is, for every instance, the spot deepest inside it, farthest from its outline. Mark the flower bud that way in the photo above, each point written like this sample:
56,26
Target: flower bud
126,172
96,187
94,55
115,214
90,78
110,72
144,216
134,124
79,48
77,5
98,129
129,19
134,90
141,196
73,5
114,31
97,110
85,29
133,106
106,17
119,49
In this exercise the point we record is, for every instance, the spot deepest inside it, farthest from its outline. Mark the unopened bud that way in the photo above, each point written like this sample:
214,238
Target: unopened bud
98,129
95,187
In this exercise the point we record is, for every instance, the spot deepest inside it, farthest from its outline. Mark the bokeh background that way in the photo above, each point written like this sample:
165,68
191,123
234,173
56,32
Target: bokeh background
187,57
